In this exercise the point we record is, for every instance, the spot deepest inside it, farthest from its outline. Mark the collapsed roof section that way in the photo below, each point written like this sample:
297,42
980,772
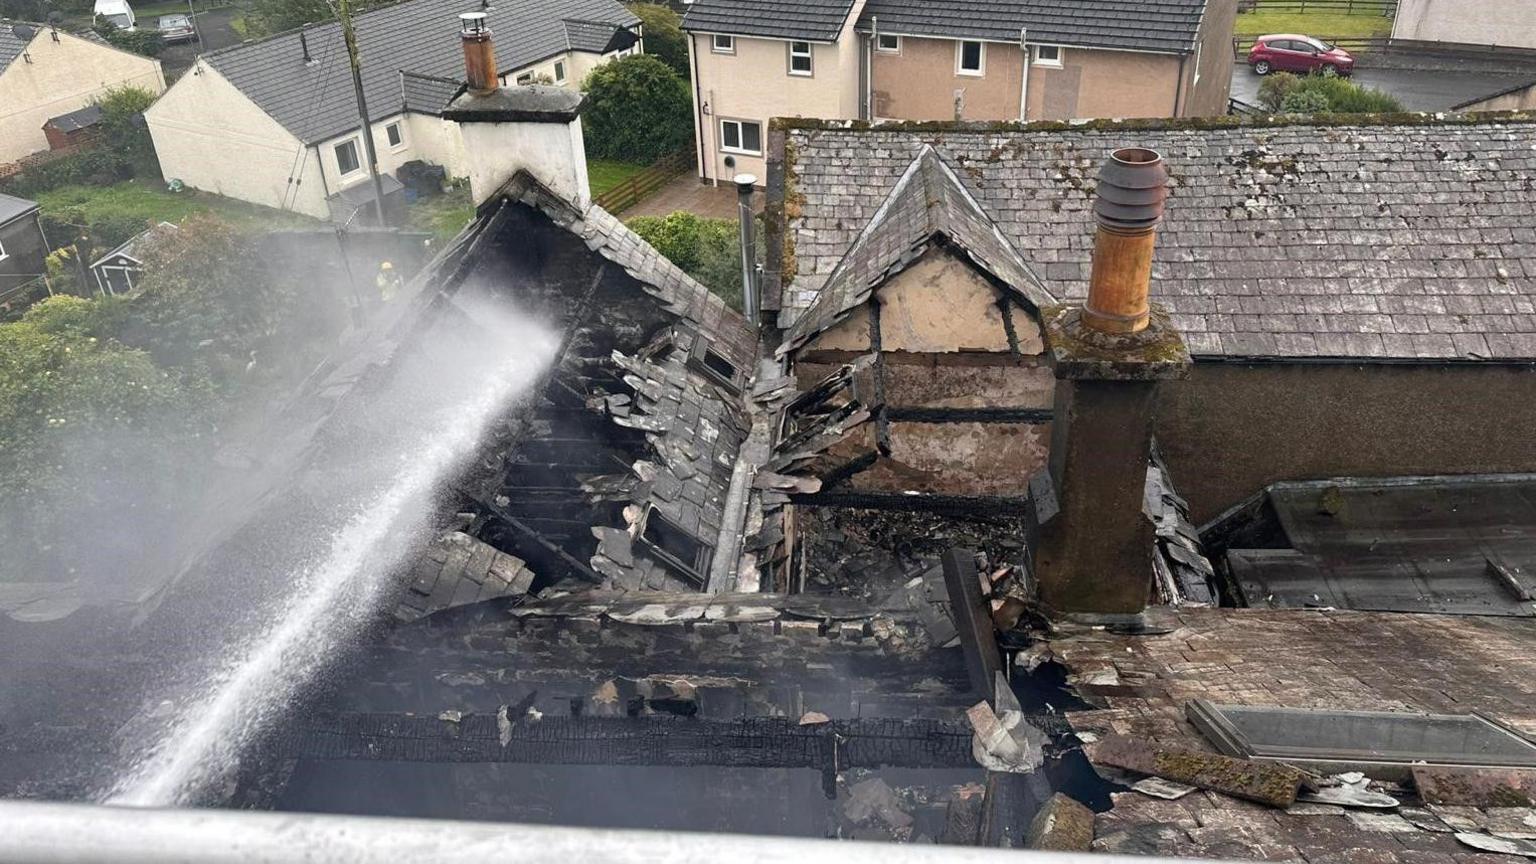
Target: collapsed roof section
928,206
618,473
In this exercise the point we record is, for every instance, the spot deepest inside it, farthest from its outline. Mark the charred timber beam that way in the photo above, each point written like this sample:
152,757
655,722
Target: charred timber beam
952,359
970,415
856,465
882,422
1002,506
754,742
1005,305
578,567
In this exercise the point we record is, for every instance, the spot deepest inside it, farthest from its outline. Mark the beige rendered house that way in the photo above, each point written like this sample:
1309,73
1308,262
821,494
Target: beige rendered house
1509,23
46,72
946,60
276,122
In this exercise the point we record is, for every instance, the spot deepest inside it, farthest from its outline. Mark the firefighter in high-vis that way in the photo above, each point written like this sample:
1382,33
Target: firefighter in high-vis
388,282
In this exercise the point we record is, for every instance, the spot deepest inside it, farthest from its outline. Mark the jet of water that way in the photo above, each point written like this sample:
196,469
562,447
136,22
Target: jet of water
489,365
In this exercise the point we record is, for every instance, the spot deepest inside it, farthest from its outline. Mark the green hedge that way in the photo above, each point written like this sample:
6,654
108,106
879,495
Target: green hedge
709,250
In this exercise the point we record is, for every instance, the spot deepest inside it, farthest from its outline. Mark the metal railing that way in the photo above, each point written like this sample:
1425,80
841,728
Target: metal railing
44,833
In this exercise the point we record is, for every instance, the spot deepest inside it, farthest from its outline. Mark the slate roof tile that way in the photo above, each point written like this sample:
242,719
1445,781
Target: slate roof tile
1168,26
315,101
814,20
1267,233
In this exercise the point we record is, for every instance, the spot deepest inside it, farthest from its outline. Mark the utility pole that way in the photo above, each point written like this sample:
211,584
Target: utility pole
196,30
344,12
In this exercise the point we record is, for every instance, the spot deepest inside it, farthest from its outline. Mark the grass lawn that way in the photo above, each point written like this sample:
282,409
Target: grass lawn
1318,24
604,175
150,202
444,216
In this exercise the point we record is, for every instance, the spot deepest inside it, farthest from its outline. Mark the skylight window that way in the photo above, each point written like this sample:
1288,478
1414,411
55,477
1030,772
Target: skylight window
684,554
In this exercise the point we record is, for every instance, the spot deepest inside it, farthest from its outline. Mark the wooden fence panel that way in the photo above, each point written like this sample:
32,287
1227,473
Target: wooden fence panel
643,185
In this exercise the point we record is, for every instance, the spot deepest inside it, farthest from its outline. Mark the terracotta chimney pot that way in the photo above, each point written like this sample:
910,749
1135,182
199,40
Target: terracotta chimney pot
1132,187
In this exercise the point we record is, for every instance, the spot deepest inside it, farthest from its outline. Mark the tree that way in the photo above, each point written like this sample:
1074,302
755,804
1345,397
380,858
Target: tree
709,250
144,40
638,110
93,436
664,36
123,129
276,16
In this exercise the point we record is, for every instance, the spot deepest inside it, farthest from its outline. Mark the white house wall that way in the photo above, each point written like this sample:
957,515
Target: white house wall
1477,22
210,136
65,73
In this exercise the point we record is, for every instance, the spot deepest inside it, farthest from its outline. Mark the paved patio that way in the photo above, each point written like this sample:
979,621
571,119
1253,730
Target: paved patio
685,192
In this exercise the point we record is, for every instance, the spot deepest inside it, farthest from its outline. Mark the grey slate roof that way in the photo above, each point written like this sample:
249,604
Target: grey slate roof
1414,241
12,208
928,203
314,101
815,20
11,45
1168,26
76,120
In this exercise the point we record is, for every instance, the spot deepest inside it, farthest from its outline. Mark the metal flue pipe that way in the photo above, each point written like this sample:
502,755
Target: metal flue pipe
1133,184
751,299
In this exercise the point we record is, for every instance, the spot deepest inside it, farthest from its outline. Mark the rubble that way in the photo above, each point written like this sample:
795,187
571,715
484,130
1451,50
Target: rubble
1062,825
1267,783
1480,787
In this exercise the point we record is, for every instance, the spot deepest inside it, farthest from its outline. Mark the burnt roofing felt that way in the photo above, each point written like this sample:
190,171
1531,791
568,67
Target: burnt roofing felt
815,20
314,100
928,204
1409,238
1168,26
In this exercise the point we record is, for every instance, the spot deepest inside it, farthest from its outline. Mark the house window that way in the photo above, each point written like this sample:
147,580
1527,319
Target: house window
683,553
346,158
887,44
394,135
559,71
971,59
724,44
741,136
1048,55
525,78
800,59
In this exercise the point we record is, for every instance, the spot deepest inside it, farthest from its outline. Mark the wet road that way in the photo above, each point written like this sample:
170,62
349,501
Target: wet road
1417,90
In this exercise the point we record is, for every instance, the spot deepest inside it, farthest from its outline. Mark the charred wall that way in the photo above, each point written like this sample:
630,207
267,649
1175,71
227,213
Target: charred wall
1234,427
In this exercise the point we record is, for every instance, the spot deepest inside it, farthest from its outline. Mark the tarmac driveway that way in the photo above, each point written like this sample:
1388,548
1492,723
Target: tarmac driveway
1418,90
216,33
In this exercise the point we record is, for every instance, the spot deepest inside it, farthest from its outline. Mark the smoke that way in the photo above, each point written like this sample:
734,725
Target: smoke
272,591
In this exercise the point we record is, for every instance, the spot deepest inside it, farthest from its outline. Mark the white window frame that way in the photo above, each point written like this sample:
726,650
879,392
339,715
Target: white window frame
715,43
1049,63
3,254
559,71
740,137
809,55
880,47
357,156
524,78
399,127
980,71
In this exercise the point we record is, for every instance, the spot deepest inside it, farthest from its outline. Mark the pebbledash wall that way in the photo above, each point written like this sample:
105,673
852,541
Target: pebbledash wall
1235,427
1510,23
60,73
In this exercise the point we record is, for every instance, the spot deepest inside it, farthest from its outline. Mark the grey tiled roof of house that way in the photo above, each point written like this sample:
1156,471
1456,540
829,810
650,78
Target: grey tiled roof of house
426,94
928,203
314,100
12,207
815,20
1145,25
11,45
593,37
1413,241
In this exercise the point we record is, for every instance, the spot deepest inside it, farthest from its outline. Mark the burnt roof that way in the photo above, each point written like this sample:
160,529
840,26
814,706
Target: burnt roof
1165,26
1407,237
315,101
814,20
928,204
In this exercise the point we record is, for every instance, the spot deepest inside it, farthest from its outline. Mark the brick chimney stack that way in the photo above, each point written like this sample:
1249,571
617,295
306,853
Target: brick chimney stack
1093,545
534,127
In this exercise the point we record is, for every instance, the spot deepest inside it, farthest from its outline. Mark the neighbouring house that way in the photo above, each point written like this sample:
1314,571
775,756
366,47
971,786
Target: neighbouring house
1386,266
23,248
945,60
117,271
1508,23
1521,97
275,122
46,72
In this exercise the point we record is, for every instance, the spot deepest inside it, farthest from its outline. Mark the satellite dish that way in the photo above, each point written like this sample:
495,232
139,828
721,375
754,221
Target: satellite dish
23,32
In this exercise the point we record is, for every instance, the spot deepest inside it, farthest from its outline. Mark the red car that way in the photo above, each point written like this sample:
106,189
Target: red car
1291,53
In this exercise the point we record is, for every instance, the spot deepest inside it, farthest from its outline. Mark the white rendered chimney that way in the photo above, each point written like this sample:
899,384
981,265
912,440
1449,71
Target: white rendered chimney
534,127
